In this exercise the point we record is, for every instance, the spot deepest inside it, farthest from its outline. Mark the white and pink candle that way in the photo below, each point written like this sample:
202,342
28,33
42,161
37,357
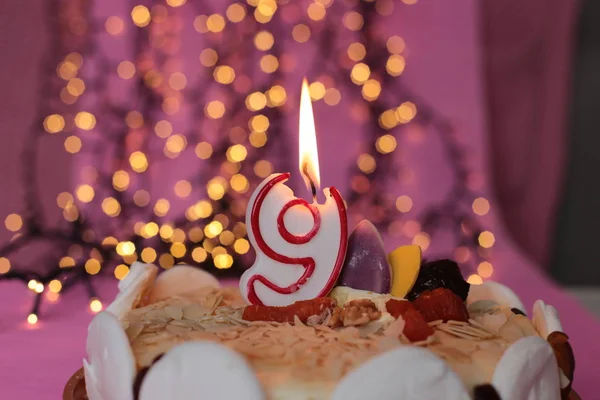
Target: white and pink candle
300,246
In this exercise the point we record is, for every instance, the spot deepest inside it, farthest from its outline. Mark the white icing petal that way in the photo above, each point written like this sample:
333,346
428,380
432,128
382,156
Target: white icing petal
132,288
495,291
181,279
110,366
545,319
201,370
528,371
407,373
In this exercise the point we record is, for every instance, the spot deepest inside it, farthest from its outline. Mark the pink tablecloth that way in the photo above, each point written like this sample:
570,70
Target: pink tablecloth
35,362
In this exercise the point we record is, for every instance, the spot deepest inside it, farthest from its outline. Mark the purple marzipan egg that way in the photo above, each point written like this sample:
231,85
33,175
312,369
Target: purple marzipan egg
366,266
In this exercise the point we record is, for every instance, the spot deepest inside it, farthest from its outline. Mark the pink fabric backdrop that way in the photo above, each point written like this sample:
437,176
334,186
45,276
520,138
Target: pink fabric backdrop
527,49
444,66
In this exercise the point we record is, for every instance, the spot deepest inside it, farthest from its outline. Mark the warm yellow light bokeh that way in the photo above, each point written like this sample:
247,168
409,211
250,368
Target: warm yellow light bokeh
485,269
481,206
140,16
256,101
213,229
96,306
301,33
404,203
223,261
183,188
177,81
316,11
235,12
178,250
114,25
208,57
395,44
366,163
92,266
161,207
166,261
214,109
120,180
85,193
332,96
269,63
111,207
199,254
126,70
422,240
386,144
13,222
72,144
360,73
371,90
264,40
85,120
258,139
121,271
204,150
215,23
4,265
406,112
224,74
54,123
353,20
486,239
138,161
395,65
237,153
241,246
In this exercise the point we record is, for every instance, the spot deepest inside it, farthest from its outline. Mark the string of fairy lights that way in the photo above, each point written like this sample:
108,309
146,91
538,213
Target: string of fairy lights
127,118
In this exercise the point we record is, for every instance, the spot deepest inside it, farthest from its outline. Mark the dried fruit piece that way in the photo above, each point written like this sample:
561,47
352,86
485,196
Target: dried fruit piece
485,392
441,304
406,263
302,309
564,357
516,311
440,274
416,328
366,266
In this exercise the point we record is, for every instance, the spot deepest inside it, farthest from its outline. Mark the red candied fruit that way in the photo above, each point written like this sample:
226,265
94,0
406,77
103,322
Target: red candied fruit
415,326
441,303
397,308
302,309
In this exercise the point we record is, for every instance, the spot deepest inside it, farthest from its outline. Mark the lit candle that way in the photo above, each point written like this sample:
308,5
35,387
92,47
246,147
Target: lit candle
300,247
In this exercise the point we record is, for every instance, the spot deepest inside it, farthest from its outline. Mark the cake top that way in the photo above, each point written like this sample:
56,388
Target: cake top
319,349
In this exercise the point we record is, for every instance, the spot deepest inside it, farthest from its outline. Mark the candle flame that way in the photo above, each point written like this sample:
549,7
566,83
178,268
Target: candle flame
308,154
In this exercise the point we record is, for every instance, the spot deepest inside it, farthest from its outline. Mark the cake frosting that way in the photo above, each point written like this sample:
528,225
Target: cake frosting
191,338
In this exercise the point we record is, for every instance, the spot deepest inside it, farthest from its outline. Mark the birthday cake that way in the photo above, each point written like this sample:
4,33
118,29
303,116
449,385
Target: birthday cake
322,315
182,336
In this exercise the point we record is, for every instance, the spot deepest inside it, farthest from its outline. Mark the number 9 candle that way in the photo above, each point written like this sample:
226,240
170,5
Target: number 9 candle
300,247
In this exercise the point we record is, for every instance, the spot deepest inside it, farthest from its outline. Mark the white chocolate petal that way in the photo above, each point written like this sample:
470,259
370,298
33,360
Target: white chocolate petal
132,288
495,291
545,319
110,366
407,373
527,371
201,370
181,279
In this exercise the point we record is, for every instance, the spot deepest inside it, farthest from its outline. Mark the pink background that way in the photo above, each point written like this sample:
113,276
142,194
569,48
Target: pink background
443,66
